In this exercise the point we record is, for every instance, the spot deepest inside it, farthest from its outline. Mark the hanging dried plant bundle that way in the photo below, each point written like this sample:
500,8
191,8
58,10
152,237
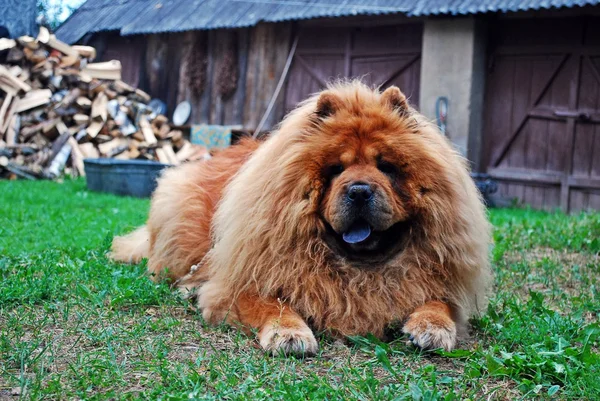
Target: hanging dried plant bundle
227,69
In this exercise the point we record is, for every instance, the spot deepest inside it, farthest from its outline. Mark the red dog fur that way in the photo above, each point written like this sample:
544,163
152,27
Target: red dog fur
258,233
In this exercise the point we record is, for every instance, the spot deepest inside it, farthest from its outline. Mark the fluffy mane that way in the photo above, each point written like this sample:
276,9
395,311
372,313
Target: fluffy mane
267,234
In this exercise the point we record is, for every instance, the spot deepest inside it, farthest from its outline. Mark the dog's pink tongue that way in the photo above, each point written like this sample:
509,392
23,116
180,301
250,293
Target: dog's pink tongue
358,232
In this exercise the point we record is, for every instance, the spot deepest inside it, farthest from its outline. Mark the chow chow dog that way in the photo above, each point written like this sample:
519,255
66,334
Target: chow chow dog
354,215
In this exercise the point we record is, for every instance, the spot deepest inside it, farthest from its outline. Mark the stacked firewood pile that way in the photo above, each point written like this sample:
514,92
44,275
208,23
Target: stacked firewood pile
57,107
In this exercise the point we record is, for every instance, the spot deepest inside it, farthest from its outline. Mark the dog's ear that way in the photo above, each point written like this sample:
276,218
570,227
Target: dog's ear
327,104
395,99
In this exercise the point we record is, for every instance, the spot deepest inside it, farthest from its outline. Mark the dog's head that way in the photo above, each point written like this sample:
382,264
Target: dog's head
373,170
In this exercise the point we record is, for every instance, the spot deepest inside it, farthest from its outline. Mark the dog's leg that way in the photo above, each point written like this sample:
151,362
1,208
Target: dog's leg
431,326
280,329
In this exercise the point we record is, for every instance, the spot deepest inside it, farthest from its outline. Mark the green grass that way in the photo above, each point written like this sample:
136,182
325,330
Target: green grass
74,325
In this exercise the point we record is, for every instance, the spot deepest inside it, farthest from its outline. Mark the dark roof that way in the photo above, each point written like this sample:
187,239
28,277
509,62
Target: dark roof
18,16
153,16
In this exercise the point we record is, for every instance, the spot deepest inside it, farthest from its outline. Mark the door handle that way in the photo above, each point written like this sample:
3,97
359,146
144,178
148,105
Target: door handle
580,115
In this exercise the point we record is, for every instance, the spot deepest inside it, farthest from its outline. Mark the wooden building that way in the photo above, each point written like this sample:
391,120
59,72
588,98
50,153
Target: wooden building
522,79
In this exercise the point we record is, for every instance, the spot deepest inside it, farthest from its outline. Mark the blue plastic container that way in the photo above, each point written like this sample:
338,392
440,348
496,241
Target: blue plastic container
123,177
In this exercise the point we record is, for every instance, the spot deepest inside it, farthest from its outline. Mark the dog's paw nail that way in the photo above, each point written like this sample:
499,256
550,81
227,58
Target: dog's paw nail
287,341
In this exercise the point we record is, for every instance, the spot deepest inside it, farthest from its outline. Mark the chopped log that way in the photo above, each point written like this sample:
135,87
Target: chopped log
44,36
147,131
76,157
99,107
94,128
4,109
113,147
85,51
122,87
164,131
12,80
84,102
12,130
143,95
28,42
110,70
15,55
58,162
89,151
168,149
8,116
62,128
6,44
161,156
34,98
81,119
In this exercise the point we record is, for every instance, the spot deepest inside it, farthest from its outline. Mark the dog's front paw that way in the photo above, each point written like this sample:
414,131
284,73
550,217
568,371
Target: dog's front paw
277,339
431,330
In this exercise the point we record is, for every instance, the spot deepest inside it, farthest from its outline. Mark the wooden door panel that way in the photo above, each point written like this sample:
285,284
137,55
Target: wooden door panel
543,117
308,75
382,55
401,70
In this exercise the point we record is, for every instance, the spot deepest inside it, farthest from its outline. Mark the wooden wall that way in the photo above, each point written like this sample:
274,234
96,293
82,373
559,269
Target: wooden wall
159,65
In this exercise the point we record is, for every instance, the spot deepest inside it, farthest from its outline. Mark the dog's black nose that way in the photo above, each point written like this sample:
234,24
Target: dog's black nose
360,193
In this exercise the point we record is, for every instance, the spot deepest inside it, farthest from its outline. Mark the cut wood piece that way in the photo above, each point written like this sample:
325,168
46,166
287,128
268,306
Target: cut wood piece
161,156
134,153
28,42
143,96
44,36
6,43
81,119
124,155
164,131
49,125
123,87
6,104
147,131
191,152
110,70
89,151
85,51
57,164
12,80
62,128
113,147
160,120
6,119
76,157
37,57
68,61
138,136
176,136
34,98
12,130
8,88
70,97
99,110
16,71
168,149
94,128
84,102
85,78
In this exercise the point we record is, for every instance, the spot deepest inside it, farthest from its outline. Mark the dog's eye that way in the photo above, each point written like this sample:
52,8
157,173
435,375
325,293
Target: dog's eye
386,168
334,170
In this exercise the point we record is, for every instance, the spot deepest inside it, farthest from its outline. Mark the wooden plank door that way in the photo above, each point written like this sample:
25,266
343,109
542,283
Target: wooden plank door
382,55
542,105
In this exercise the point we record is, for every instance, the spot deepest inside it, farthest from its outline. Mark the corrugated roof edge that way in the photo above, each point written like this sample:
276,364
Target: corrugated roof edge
421,8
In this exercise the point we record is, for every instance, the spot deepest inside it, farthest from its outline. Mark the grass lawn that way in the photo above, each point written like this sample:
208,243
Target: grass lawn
75,326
